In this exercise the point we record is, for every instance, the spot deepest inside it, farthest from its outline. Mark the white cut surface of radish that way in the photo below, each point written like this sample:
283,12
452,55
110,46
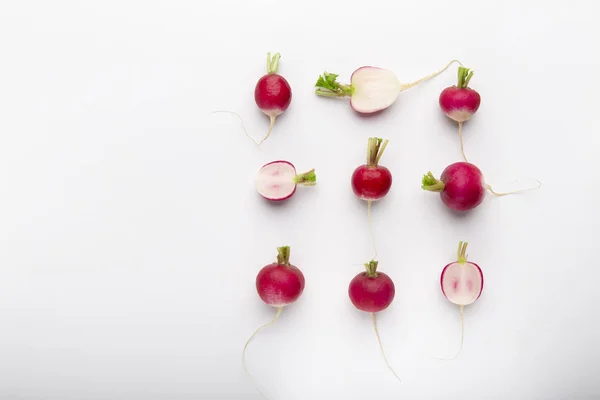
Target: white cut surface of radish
374,89
462,283
276,180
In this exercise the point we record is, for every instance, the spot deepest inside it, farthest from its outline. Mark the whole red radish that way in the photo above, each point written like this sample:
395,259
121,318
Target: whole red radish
278,284
460,102
277,180
372,181
272,93
371,89
462,283
461,186
372,292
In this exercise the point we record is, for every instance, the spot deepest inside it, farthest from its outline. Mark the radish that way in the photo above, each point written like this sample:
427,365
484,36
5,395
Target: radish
278,284
460,102
272,93
371,89
372,292
371,181
462,283
462,186
277,180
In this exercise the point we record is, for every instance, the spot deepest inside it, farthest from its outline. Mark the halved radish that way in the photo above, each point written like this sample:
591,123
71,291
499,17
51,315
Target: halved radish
371,89
277,180
462,283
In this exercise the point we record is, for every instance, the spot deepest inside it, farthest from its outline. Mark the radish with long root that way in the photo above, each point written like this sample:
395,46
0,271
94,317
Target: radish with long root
278,284
462,283
371,89
461,186
277,180
272,94
460,102
371,181
373,291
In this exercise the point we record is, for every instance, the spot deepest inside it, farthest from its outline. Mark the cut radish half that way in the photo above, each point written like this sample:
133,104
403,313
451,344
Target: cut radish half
277,180
462,284
462,281
375,89
371,89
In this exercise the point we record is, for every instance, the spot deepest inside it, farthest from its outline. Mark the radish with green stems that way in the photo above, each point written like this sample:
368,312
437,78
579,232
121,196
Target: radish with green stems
460,102
371,89
277,180
272,95
278,284
462,283
371,181
461,186
373,291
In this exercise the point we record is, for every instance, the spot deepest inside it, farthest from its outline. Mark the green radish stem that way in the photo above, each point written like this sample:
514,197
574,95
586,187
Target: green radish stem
273,63
307,178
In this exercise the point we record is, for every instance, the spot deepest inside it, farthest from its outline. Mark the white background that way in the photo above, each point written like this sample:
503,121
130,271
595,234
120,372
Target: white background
131,232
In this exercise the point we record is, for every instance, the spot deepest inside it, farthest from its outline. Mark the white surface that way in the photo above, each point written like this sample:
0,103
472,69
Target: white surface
131,231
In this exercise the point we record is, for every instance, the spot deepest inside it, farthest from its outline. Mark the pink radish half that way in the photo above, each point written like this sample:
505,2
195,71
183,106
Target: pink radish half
371,89
277,180
462,283
462,280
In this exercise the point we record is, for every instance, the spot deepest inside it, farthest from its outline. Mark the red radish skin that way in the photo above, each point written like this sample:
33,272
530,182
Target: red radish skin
462,284
278,284
372,181
277,180
460,102
461,186
272,93
371,89
373,291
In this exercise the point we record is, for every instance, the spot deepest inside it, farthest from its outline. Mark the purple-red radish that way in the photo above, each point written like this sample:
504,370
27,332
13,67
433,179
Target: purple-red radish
462,186
277,180
278,284
462,283
373,291
272,93
460,102
371,181
371,89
